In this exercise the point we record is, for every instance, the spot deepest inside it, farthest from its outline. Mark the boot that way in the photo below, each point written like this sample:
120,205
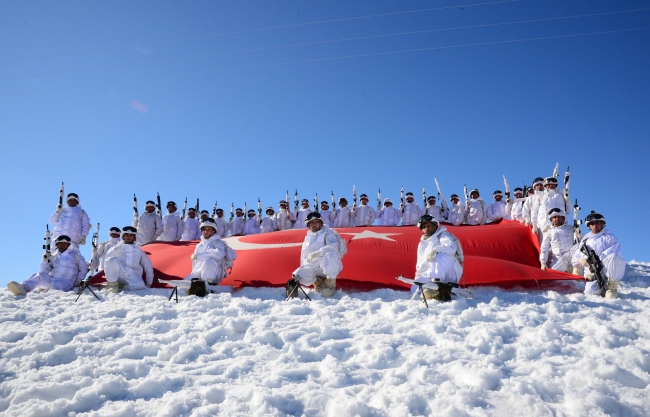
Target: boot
112,287
16,288
291,288
443,293
327,287
428,293
197,287
612,289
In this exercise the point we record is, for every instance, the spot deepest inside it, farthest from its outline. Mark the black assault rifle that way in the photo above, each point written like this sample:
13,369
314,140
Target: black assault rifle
595,265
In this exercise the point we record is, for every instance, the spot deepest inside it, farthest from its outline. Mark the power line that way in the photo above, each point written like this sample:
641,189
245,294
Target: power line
419,32
339,57
343,19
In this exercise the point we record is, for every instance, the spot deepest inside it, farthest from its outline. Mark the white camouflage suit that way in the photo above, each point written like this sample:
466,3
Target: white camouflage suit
364,215
456,214
149,227
328,217
284,219
209,258
344,217
172,227
411,214
438,212
222,227
125,264
300,216
515,209
100,252
555,251
551,199
66,268
319,257
477,212
608,250
72,222
268,224
388,216
437,258
190,229
498,210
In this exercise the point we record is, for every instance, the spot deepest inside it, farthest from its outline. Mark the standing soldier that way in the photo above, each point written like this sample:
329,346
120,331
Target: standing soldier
410,212
515,209
102,249
237,224
268,224
284,218
172,224
148,225
477,214
220,221
531,207
252,225
364,215
551,198
344,217
328,216
388,216
191,226
204,215
437,212
125,264
71,221
498,209
301,215
66,267
555,251
456,214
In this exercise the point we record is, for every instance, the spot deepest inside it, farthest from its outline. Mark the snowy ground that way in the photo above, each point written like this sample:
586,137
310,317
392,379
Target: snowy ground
250,353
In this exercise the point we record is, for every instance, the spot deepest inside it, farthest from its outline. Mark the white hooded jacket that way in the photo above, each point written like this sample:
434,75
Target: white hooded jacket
557,241
343,217
284,219
551,199
72,222
100,252
388,216
172,227
268,224
328,217
498,210
149,227
190,229
441,242
363,215
477,212
301,216
323,241
456,214
411,214
132,259
66,267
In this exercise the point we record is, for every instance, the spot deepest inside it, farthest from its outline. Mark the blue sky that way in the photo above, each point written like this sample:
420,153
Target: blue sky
231,101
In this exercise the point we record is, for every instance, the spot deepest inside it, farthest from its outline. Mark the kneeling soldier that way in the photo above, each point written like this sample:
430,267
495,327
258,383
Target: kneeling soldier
125,263
208,255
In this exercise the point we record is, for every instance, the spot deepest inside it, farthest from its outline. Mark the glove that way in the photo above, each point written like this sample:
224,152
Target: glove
526,222
193,257
58,208
135,216
431,255
543,266
312,256
535,228
583,262
82,241
589,276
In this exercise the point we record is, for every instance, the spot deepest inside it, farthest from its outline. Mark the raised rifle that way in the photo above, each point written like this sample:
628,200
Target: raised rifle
61,192
316,203
214,210
333,202
595,265
135,207
197,207
505,182
402,200
158,205
424,198
286,199
379,199
184,209
577,233
232,211
95,243
259,208
442,203
295,199
47,256
556,170
466,201
354,196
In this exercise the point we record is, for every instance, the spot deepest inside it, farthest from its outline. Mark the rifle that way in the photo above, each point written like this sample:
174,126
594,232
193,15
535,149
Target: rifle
135,207
259,207
556,170
424,198
466,201
232,211
245,214
286,199
577,233
61,192
505,182
316,203
443,204
379,199
197,206
47,256
214,209
95,243
354,196
567,177
295,200
159,205
595,265
403,201
83,285
184,209
333,202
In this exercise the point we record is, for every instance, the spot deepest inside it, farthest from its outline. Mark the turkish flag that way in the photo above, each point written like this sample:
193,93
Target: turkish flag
501,253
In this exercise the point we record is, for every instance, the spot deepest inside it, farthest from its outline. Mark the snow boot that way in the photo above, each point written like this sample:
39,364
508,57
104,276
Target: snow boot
291,288
325,286
612,289
16,288
112,287
443,293
197,287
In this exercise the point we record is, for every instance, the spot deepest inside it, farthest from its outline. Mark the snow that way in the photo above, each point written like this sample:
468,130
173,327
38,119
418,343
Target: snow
534,353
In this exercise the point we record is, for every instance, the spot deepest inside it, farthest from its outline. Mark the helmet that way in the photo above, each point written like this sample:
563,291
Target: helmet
129,230
251,211
538,180
343,199
304,200
149,203
363,196
425,218
72,196
63,239
518,189
593,216
269,208
431,197
550,180
497,192
209,222
474,190
313,216
219,210
556,212
170,203
114,230
282,202
454,196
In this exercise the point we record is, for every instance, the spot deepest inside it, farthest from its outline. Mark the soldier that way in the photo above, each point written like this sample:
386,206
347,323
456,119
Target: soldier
284,218
65,268
71,221
515,208
237,224
252,225
209,254
125,263
437,212
389,215
328,216
149,225
498,209
555,251
191,226
477,214
456,215
344,217
102,249
301,215
364,215
220,221
172,224
320,259
410,212
268,224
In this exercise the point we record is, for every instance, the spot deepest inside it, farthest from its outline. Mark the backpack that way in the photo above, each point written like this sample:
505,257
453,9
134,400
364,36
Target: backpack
460,256
343,245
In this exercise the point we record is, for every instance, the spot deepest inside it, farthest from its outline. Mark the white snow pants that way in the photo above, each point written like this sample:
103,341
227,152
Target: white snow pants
328,266
614,269
44,280
563,263
208,270
442,268
115,272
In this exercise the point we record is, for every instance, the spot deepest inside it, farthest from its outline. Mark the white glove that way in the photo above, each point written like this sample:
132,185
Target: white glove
583,262
431,255
135,216
543,266
535,228
589,276
193,257
58,208
312,256
526,222
82,241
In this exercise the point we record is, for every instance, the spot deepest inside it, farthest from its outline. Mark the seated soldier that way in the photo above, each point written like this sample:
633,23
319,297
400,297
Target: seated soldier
208,255
64,269
320,260
555,252
608,249
102,249
125,263
439,259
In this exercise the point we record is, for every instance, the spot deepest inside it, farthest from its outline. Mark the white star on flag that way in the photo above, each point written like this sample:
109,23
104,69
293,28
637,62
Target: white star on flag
367,234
